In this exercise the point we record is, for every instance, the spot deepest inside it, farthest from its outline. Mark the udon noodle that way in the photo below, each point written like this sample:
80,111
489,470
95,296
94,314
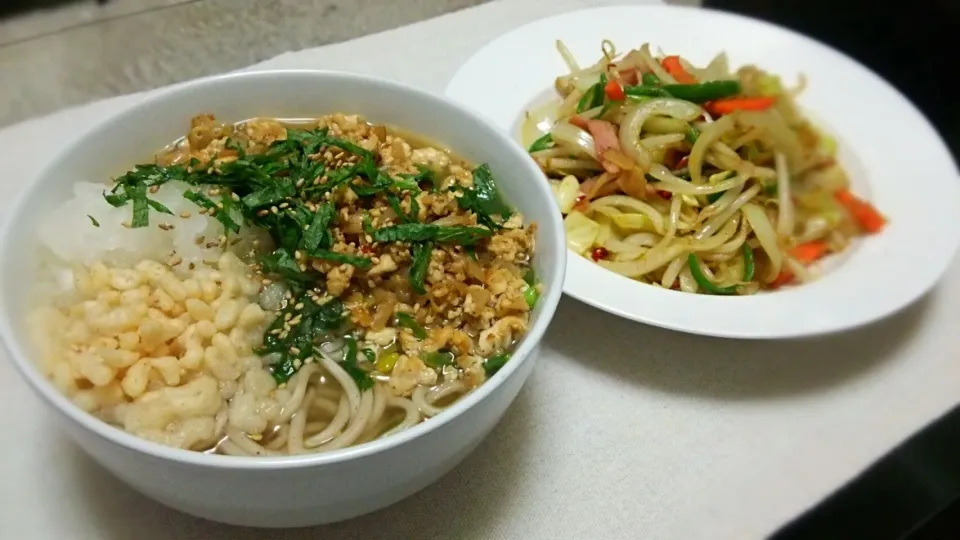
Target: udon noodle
692,178
274,288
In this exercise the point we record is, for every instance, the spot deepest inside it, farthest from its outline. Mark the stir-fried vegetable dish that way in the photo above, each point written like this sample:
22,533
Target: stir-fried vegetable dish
696,179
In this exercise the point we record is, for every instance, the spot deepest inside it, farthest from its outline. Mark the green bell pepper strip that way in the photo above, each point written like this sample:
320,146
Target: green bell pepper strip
748,266
594,95
544,142
643,90
702,280
702,92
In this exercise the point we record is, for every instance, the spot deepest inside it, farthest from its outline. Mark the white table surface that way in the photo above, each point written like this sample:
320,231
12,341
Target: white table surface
623,431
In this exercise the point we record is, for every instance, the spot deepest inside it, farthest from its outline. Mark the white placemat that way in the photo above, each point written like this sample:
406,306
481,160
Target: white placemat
623,431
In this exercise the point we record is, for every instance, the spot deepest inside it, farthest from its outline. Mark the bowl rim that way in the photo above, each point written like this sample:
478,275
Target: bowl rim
19,354
794,312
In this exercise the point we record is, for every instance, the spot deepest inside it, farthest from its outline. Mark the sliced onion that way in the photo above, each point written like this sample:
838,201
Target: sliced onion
581,232
785,215
830,178
724,235
717,69
621,201
720,204
568,58
648,263
634,118
569,106
537,121
659,141
573,138
687,283
567,193
664,124
710,134
778,132
673,184
799,271
671,273
641,239
567,164
767,237
714,223
587,79
630,222
654,66
550,153
815,228
622,246
730,248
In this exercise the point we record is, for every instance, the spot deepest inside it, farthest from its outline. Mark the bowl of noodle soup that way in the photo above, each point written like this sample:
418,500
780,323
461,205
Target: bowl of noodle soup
243,288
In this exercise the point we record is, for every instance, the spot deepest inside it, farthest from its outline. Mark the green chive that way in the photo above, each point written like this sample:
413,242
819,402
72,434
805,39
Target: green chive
407,321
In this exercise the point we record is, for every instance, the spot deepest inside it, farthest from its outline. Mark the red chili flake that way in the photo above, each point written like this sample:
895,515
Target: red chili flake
683,161
581,197
599,253
366,248
665,194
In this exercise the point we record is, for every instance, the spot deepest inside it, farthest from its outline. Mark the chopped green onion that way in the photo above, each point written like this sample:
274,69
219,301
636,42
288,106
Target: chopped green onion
407,321
531,295
530,276
494,363
93,220
438,359
692,135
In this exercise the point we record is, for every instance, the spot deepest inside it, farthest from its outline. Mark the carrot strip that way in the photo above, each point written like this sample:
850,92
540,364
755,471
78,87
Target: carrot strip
579,121
869,219
783,278
675,69
809,252
727,106
614,91
805,254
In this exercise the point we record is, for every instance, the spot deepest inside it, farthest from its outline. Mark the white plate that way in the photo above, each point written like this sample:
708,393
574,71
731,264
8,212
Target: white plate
895,158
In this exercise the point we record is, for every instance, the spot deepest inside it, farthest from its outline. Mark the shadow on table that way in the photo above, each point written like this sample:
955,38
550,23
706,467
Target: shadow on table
464,504
726,368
